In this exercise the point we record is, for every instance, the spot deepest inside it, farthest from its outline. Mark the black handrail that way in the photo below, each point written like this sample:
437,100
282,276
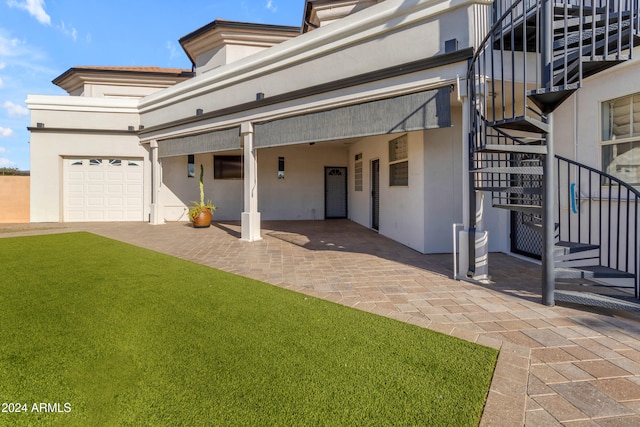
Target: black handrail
609,219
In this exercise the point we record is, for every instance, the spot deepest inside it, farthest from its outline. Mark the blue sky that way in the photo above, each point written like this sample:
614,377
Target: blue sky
41,39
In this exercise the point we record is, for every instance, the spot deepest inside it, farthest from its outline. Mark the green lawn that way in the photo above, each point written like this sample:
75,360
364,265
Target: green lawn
126,336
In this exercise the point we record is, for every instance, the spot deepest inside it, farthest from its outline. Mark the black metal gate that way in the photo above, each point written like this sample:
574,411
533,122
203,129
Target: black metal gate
526,228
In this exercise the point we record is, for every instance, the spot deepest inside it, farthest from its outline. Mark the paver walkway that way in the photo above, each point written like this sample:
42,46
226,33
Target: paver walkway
557,366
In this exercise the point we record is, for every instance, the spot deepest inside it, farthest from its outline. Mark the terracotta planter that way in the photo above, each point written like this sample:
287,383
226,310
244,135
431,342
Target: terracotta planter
203,219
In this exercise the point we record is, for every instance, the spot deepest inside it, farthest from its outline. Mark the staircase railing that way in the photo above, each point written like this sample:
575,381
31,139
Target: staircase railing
534,57
596,208
495,82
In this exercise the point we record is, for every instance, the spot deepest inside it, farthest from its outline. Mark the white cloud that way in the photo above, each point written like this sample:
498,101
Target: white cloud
272,7
2,149
15,110
1,82
9,46
2,65
5,133
34,7
68,31
174,53
6,163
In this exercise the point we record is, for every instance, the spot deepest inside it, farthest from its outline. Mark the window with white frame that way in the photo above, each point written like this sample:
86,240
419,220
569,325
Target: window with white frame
399,161
621,138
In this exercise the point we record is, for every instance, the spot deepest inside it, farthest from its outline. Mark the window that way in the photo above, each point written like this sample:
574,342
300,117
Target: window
358,172
78,162
191,166
115,162
399,161
228,167
621,138
95,162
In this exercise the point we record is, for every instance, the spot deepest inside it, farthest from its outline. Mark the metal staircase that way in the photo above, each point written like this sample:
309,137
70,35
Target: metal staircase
534,57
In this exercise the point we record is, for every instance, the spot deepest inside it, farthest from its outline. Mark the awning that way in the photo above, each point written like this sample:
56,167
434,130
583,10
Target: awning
417,111
210,142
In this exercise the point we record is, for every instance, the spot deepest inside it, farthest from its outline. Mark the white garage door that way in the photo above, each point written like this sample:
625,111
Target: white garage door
103,189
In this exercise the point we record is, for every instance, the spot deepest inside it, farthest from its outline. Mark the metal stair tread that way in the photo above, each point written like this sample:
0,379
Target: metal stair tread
527,170
535,209
598,300
566,248
591,272
521,123
514,148
548,99
512,190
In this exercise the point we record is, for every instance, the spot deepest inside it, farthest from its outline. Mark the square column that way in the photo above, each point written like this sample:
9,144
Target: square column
156,217
250,223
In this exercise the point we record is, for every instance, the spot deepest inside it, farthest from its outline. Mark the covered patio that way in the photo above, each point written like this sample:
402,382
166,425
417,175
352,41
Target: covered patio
557,366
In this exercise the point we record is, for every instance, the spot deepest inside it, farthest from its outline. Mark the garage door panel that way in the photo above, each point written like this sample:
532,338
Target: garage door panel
76,188
115,189
95,189
115,176
76,175
95,176
95,202
75,202
75,216
134,188
95,216
115,216
103,190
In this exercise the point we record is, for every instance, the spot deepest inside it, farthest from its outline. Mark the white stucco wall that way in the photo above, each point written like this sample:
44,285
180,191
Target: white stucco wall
443,184
300,196
580,139
48,151
77,127
401,208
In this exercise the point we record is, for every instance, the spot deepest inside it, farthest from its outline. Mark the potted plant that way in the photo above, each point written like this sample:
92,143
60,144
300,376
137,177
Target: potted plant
201,213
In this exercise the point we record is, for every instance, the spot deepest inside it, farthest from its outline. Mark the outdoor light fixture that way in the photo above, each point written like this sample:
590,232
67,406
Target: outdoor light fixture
199,112
259,96
280,167
39,125
131,128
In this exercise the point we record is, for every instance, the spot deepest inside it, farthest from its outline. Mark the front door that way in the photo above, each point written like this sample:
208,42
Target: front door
375,194
335,192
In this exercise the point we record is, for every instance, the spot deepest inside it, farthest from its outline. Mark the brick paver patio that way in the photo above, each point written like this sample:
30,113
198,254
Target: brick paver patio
558,366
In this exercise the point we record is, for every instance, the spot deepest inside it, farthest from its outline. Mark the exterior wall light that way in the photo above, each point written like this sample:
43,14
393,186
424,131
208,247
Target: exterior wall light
280,167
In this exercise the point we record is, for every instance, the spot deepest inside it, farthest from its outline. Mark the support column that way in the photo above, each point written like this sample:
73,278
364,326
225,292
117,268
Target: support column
250,225
548,180
156,217
548,221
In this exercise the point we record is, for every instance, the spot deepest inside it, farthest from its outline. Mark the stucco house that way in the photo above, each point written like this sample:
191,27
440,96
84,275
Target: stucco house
371,110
